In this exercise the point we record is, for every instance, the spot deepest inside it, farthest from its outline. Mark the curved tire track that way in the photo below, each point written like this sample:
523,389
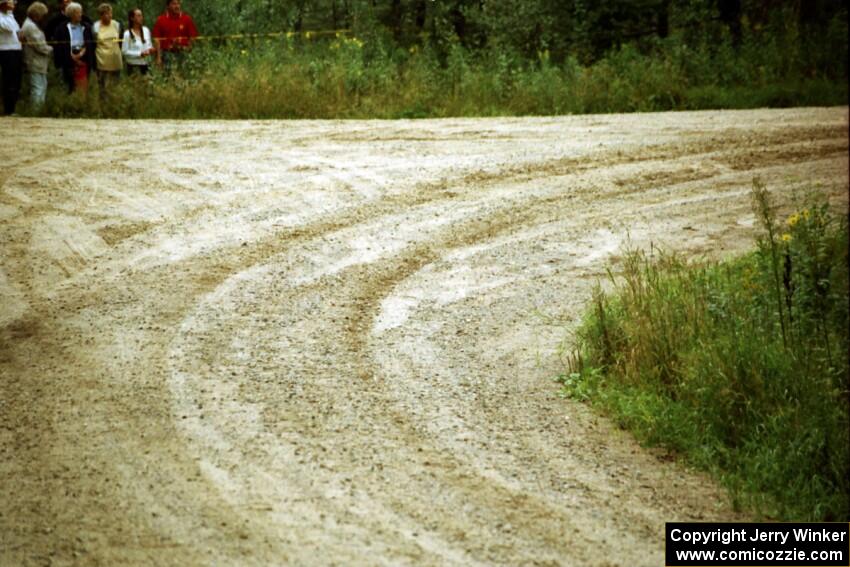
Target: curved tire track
342,368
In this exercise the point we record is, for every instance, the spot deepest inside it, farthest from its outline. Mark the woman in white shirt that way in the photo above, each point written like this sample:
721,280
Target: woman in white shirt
11,56
137,45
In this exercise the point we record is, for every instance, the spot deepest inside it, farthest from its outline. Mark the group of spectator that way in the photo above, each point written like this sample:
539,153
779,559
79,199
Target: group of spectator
79,46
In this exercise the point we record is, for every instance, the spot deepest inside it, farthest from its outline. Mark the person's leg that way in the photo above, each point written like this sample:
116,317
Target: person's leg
133,70
13,68
101,83
5,70
172,62
38,89
17,77
112,78
68,77
20,76
81,78
166,62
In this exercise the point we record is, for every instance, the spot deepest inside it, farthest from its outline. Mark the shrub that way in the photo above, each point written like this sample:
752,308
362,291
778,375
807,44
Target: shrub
739,367
300,76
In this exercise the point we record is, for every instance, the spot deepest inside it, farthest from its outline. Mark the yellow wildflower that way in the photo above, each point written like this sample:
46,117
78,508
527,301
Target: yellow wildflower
786,237
793,219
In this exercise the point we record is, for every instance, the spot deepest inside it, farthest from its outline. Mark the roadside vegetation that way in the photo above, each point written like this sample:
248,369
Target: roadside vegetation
418,59
738,367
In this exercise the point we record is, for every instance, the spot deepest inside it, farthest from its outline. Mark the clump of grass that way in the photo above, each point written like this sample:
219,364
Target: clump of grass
740,367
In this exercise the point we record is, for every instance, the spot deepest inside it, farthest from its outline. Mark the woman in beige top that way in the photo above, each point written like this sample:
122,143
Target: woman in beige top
36,52
108,58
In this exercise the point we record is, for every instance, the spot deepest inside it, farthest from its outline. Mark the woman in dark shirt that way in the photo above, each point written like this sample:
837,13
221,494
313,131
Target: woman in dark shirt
74,51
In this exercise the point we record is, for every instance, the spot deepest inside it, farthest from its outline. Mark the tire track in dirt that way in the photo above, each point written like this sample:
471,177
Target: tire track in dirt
397,268
74,437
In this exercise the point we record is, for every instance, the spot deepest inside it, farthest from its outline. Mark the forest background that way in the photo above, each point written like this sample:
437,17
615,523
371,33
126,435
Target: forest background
425,58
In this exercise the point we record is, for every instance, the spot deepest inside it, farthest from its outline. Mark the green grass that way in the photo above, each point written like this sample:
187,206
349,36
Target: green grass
345,77
740,367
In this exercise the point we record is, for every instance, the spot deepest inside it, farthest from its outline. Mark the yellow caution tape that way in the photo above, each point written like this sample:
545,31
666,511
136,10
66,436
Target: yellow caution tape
289,34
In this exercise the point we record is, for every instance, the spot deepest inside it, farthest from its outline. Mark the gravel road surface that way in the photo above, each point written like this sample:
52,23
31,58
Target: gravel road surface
332,343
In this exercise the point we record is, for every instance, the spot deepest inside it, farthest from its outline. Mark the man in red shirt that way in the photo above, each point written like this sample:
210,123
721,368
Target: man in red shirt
173,32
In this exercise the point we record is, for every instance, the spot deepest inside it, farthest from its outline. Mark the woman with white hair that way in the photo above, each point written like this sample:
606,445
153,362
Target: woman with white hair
11,56
36,53
74,50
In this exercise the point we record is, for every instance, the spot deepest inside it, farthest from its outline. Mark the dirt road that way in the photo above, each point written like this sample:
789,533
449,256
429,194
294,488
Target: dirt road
331,343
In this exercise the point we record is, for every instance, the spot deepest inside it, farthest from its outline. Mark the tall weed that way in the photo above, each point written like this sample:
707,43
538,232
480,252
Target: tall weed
740,367
372,77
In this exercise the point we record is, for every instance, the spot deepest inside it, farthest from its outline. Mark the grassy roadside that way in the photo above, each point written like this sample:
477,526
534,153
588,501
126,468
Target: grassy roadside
739,367
347,77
